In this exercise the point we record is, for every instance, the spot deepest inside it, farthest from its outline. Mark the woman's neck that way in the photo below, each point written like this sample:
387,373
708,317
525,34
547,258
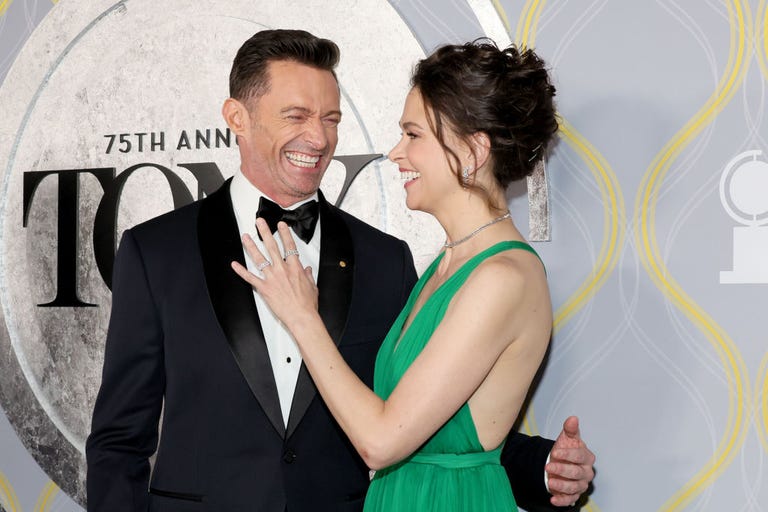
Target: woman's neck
468,215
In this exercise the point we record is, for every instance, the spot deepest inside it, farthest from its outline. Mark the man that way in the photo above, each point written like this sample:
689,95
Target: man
243,427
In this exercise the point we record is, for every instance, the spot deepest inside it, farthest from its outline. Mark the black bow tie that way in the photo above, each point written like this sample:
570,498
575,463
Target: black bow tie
302,220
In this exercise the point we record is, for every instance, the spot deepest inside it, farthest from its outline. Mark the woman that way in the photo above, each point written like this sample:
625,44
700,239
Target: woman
454,370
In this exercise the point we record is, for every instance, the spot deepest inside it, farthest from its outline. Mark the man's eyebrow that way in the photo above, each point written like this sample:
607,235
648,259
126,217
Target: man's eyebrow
308,112
292,108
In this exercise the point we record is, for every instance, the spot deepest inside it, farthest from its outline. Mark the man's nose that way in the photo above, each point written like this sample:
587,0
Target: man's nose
315,134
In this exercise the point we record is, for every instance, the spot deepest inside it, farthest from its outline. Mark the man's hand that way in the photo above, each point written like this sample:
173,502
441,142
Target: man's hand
570,465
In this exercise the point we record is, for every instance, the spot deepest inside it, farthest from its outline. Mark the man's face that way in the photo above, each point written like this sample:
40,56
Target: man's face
291,132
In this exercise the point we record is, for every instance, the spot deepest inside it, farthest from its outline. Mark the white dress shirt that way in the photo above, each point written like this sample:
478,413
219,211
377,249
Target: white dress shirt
283,352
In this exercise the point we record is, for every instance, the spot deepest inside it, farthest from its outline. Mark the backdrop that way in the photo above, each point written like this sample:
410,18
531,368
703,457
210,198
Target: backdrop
653,227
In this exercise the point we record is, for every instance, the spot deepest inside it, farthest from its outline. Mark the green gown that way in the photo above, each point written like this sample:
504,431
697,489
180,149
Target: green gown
451,471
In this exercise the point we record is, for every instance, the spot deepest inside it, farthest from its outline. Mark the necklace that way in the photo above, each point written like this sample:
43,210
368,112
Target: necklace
451,245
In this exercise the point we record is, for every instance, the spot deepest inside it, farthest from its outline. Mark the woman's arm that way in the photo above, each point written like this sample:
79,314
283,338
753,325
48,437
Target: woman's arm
455,362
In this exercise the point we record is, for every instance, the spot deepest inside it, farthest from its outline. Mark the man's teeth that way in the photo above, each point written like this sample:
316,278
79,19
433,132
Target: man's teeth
301,160
409,175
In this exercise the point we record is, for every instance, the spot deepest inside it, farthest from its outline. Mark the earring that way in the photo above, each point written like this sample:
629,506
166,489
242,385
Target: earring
465,175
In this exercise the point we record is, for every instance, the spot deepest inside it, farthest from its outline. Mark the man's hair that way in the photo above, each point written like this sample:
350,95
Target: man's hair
249,78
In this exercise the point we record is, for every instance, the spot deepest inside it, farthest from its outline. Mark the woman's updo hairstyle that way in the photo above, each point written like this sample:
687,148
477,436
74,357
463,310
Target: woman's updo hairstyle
507,94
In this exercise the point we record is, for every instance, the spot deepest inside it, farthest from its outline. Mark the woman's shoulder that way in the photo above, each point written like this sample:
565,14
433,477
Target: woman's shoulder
508,277
515,264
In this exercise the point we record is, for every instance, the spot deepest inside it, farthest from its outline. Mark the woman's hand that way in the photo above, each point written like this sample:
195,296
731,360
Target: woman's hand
285,285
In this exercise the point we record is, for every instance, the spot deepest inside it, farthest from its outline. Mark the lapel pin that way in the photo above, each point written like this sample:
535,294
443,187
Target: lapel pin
342,264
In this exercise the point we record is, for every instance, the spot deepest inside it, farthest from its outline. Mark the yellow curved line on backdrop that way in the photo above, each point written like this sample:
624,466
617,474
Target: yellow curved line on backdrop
614,220
528,22
761,42
761,401
7,496
612,199
614,211
645,219
4,4
46,496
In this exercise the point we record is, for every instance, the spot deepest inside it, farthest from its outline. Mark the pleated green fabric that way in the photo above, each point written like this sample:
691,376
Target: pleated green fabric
451,471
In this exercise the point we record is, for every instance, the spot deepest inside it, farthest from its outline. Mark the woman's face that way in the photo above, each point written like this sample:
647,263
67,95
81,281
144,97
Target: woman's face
424,166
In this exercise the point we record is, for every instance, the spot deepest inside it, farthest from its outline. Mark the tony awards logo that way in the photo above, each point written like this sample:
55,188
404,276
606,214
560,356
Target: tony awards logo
744,195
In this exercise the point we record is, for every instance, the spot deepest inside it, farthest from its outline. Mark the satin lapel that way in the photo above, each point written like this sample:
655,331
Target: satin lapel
232,300
334,282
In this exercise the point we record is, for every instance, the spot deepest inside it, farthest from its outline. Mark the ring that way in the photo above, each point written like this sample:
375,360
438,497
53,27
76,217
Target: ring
291,252
264,264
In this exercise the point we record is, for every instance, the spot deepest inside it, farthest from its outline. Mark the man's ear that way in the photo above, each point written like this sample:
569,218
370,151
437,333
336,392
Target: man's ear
236,116
481,148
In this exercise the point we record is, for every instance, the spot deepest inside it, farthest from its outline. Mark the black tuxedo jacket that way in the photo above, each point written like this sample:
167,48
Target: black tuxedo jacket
185,344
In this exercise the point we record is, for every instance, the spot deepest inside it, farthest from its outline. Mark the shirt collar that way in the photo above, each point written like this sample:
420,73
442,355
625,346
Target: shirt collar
245,201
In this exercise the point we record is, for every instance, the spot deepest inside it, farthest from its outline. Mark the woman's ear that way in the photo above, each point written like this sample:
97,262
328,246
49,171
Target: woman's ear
481,148
236,116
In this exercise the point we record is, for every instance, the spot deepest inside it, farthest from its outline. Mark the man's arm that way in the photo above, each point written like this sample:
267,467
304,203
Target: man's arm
125,418
569,470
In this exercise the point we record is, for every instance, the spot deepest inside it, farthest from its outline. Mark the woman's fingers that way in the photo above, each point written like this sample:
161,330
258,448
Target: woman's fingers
247,276
291,254
261,261
270,244
286,286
